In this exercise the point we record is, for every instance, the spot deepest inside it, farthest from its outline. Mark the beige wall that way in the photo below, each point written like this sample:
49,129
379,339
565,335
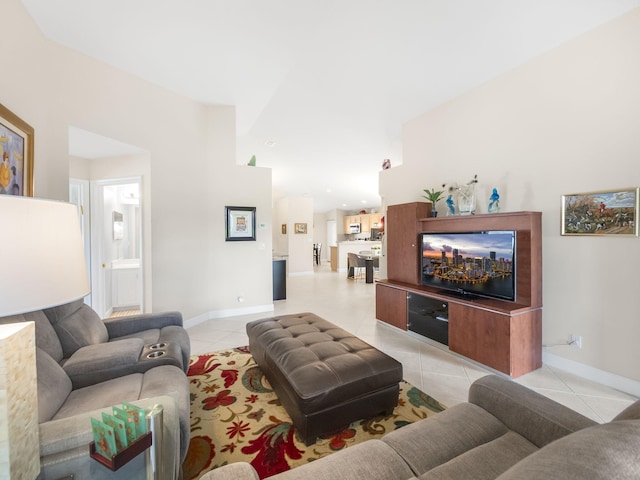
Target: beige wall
193,174
563,123
298,247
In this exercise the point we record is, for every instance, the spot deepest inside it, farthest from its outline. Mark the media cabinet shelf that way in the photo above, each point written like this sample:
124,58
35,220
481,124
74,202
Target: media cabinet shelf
504,335
501,307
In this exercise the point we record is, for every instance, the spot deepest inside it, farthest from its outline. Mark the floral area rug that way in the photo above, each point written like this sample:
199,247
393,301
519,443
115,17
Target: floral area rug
236,417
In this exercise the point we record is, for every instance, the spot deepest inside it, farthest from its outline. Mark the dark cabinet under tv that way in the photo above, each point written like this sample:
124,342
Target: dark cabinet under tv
428,317
504,335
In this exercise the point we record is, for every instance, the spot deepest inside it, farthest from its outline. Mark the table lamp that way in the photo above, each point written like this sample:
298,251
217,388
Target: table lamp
43,265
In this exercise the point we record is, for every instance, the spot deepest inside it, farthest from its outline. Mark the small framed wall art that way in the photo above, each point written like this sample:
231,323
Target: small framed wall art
240,224
16,155
300,227
607,212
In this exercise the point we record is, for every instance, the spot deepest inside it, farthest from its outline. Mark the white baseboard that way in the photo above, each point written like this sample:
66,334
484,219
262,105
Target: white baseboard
627,385
229,312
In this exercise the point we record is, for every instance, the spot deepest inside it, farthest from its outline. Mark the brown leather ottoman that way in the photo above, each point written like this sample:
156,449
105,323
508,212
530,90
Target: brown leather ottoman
324,376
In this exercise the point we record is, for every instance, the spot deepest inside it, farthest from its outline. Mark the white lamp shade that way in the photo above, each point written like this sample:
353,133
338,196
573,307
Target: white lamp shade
41,253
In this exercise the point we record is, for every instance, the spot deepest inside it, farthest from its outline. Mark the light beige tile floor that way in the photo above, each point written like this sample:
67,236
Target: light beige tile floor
436,371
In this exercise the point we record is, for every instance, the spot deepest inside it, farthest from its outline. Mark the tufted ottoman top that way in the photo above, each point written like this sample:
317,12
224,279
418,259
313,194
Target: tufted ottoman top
324,364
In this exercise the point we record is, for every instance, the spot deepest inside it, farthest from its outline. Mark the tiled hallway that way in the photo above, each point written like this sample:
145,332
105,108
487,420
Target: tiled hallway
443,375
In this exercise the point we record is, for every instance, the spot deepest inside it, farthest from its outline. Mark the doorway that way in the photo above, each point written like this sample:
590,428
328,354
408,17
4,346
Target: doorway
116,246
116,230
113,247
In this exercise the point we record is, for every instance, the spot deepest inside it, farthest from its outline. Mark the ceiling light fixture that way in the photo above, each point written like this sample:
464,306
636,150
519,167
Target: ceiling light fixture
270,143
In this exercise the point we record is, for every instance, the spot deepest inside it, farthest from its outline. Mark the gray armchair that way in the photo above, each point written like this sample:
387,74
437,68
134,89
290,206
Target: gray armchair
95,350
109,377
64,417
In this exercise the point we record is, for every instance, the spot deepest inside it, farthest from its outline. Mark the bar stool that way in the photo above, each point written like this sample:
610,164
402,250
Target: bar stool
317,253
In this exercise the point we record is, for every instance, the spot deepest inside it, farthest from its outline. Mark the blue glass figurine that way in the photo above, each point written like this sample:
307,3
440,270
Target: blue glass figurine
494,202
451,206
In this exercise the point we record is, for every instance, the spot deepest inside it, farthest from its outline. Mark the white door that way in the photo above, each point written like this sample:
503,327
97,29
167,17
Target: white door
79,195
332,237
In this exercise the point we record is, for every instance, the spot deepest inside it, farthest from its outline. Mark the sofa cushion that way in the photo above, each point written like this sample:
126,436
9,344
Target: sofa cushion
162,380
46,337
524,411
373,460
431,442
54,385
486,461
171,380
97,363
77,326
602,452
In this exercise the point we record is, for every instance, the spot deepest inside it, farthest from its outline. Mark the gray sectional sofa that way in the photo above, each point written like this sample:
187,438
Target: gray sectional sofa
86,365
504,432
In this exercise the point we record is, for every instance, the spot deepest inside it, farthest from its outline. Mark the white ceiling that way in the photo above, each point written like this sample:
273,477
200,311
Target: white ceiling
330,82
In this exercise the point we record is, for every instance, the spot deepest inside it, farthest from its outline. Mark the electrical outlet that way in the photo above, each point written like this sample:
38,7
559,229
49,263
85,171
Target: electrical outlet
575,341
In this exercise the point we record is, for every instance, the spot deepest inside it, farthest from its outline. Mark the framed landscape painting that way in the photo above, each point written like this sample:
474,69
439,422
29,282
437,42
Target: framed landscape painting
16,155
608,212
240,224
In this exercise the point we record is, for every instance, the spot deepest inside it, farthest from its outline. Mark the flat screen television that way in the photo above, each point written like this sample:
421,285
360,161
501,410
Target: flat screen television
470,263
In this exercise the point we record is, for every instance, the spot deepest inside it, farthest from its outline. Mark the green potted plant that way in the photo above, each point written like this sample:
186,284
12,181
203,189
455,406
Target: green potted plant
433,196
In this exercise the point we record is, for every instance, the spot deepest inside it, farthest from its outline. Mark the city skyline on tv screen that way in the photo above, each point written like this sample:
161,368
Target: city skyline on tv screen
477,262
470,244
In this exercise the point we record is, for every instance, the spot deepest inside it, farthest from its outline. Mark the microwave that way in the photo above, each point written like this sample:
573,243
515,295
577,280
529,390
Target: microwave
354,228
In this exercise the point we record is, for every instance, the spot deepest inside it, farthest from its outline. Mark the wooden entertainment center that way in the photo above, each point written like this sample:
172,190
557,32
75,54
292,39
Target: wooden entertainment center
504,335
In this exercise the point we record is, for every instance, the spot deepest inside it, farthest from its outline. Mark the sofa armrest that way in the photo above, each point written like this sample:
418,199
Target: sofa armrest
96,363
64,443
534,416
232,471
122,326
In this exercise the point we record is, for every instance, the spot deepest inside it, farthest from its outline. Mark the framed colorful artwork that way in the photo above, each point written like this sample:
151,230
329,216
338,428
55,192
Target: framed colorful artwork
607,212
16,155
240,224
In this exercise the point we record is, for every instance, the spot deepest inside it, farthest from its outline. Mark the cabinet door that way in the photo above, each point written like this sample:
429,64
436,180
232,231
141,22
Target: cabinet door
428,317
346,222
375,220
402,241
481,335
391,306
365,225
126,287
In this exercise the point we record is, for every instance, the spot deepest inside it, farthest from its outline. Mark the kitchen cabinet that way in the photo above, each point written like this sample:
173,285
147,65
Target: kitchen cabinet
367,221
375,220
126,287
334,258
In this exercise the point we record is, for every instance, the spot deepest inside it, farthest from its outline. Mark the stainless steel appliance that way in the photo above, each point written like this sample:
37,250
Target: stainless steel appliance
376,233
354,228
